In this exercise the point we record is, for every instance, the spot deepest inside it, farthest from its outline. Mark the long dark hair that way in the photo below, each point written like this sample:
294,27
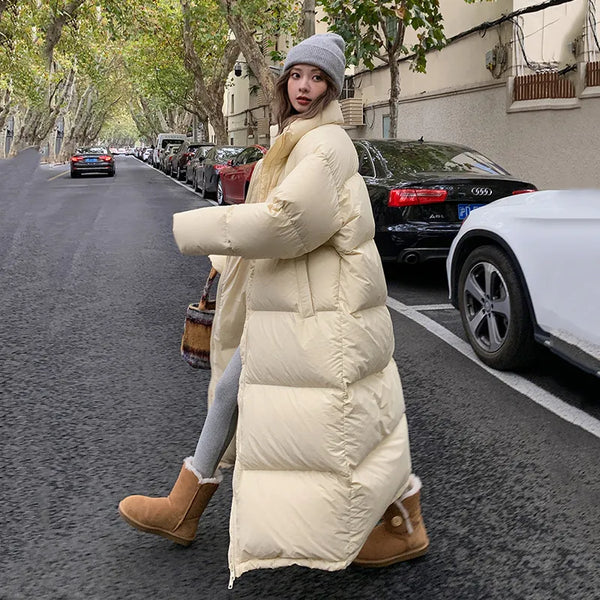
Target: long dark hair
285,113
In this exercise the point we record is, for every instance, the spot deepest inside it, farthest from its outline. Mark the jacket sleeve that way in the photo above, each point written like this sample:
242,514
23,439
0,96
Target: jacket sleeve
299,215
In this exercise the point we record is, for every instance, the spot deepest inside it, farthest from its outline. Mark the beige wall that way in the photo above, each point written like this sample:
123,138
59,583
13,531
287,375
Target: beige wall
548,33
551,148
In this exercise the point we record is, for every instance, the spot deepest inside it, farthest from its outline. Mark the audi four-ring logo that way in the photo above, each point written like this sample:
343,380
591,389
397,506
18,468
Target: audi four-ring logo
481,191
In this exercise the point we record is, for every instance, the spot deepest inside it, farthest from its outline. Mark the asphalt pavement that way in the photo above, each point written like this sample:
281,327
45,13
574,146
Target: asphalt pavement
96,404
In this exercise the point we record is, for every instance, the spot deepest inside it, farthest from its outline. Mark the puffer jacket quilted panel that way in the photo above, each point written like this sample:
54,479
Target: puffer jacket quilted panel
313,441
286,511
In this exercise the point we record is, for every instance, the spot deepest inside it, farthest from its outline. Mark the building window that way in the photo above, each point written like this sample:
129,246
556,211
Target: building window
385,125
348,89
232,104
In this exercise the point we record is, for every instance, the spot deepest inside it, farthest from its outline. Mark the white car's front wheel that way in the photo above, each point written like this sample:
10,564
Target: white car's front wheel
494,310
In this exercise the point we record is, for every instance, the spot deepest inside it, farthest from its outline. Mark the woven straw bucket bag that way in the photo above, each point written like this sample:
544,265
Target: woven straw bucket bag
195,342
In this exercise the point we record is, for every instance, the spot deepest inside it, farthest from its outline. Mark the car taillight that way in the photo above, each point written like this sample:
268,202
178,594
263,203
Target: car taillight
522,192
76,158
414,197
105,157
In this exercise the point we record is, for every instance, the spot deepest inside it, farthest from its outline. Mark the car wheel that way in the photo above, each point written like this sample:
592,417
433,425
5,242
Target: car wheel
111,173
494,311
74,174
220,197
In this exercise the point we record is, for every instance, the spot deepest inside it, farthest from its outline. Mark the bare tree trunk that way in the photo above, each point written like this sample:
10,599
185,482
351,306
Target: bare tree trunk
4,107
250,49
394,96
308,22
209,92
38,121
144,119
394,42
72,137
55,27
86,120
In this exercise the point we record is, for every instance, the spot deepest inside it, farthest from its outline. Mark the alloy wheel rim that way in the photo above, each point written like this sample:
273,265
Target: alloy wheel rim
219,193
487,306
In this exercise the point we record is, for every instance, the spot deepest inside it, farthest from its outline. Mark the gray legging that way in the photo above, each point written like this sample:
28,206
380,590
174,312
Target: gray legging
221,420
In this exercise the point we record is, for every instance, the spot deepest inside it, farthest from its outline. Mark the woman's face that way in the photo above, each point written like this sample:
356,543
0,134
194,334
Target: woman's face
304,85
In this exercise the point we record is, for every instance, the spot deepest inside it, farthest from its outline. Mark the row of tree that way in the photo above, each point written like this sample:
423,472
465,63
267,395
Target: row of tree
94,63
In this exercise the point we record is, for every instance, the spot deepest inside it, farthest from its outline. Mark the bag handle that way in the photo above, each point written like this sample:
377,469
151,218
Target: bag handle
204,299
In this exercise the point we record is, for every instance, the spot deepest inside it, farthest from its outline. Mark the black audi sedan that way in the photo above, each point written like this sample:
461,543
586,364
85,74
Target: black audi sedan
422,191
96,159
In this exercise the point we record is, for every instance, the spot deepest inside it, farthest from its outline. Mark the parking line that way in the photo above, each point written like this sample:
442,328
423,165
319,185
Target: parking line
181,183
59,175
520,384
422,307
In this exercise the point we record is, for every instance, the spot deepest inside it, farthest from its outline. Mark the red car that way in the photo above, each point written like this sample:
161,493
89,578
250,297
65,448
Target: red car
235,178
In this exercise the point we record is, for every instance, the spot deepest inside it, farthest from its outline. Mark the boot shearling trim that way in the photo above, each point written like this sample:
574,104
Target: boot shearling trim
190,467
414,486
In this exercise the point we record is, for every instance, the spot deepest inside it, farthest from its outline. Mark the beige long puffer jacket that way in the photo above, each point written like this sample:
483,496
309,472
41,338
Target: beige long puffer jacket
322,440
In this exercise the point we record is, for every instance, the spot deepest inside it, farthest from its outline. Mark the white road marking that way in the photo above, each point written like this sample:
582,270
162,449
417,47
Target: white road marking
422,307
182,184
520,384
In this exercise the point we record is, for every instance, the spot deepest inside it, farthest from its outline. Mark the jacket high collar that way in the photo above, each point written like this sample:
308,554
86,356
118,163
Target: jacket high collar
290,136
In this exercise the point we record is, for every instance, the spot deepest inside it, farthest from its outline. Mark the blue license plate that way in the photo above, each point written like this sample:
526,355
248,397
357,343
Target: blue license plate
465,209
91,160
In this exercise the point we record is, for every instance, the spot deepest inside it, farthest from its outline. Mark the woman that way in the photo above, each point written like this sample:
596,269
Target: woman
303,329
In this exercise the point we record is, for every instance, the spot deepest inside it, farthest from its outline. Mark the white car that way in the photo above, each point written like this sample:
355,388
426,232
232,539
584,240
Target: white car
526,269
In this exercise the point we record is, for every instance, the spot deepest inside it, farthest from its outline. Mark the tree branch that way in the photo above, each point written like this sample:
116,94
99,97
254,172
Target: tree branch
55,27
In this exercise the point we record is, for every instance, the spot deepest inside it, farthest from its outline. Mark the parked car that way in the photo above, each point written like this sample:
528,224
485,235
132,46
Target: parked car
162,141
167,157
521,271
422,191
182,157
95,159
207,171
234,179
198,157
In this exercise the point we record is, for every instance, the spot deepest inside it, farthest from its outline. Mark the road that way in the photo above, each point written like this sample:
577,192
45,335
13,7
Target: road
96,404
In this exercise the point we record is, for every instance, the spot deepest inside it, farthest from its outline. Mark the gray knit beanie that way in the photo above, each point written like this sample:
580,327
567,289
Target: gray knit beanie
323,50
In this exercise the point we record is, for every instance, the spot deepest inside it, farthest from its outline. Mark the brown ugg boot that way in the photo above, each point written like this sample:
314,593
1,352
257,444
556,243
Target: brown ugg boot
402,534
176,516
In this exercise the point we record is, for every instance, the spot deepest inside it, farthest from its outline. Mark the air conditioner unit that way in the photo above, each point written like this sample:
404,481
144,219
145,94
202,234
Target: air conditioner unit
352,109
